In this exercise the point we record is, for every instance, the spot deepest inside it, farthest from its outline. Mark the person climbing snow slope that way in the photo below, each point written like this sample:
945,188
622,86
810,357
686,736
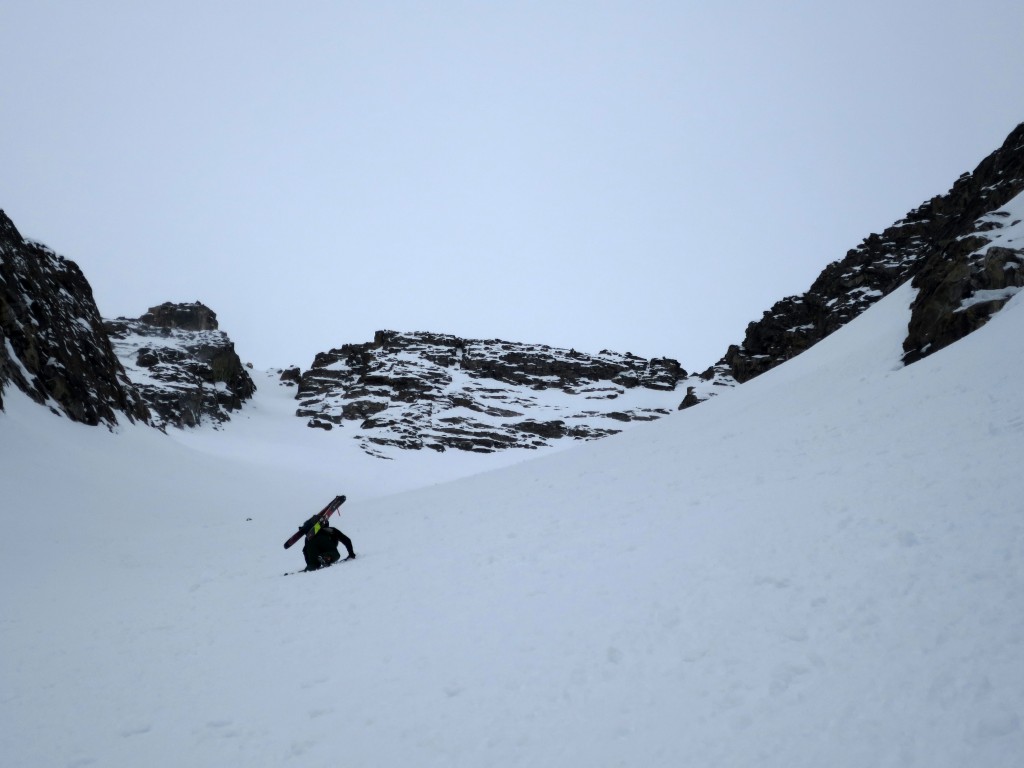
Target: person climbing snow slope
321,547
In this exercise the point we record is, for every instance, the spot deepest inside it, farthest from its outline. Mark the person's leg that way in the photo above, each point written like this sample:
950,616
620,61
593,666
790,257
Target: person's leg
312,561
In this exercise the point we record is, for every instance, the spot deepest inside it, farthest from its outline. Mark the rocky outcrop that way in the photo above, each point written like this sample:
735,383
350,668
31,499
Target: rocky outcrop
291,376
53,345
188,317
975,276
937,240
426,390
183,365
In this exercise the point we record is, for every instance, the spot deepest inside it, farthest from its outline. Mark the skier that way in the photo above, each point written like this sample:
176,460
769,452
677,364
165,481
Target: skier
321,548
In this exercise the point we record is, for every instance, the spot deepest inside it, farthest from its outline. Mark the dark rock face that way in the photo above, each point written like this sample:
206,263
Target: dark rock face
933,240
957,294
189,317
185,367
426,390
53,345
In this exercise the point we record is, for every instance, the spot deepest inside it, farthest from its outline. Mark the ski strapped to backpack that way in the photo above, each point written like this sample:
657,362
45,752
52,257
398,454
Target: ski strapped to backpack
316,522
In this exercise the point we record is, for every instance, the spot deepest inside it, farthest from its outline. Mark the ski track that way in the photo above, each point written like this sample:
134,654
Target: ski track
821,567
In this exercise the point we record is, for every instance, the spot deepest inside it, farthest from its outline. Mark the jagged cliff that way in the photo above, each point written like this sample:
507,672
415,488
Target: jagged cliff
183,365
53,345
938,244
170,367
959,289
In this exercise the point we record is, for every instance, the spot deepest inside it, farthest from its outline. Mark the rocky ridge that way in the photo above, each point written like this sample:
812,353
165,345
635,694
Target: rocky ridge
938,244
53,345
963,250
427,390
958,291
170,367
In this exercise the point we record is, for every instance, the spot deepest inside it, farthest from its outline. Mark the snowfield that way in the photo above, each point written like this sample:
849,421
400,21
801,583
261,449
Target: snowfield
822,567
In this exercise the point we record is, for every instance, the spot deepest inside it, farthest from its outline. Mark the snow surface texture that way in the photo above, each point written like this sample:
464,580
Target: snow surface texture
823,567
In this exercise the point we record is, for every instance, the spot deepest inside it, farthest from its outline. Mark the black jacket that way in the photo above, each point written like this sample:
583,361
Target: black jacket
322,548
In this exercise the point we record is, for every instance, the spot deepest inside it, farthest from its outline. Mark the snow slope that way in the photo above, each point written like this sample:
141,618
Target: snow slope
823,567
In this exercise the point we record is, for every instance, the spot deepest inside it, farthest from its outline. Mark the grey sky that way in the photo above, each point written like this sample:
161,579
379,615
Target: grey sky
641,176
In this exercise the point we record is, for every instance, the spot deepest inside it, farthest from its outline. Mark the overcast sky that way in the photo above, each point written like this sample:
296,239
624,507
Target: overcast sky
638,176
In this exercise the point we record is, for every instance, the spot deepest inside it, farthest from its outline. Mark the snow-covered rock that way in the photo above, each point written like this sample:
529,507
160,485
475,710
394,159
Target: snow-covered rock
928,236
428,390
53,345
183,365
958,294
